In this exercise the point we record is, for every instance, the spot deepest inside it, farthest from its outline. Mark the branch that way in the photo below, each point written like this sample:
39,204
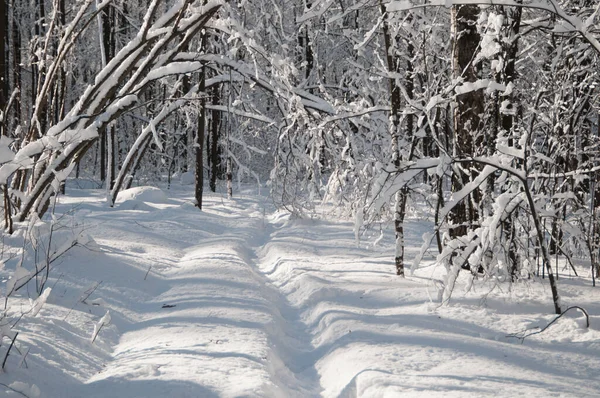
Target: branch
12,389
12,342
522,336
550,6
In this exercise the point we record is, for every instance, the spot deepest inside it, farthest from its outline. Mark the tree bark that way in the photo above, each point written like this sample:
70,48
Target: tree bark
16,63
107,45
394,69
4,62
467,111
200,141
214,157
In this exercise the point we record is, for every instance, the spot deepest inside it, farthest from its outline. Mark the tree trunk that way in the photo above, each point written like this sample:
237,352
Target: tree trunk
306,45
595,228
214,157
506,121
467,111
114,83
200,141
408,145
229,178
4,62
16,63
107,51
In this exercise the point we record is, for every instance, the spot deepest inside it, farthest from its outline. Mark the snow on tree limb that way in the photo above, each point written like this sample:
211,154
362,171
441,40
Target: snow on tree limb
575,24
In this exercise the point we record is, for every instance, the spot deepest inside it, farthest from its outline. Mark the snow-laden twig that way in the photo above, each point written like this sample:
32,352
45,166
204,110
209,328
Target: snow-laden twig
37,305
105,320
575,24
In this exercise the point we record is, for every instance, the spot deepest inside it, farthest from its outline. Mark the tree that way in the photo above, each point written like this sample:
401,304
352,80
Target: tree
152,55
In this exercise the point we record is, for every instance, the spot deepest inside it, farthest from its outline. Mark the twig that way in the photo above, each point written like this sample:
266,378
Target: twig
86,294
12,342
19,318
524,336
89,293
21,283
12,389
23,357
105,320
141,225
57,280
97,332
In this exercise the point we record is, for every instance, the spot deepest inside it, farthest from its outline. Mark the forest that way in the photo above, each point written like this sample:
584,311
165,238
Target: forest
479,116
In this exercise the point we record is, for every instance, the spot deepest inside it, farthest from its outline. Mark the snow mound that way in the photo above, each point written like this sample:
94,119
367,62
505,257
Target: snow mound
135,205
187,178
142,194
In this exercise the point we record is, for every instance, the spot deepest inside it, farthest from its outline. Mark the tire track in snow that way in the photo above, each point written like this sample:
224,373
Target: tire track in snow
224,317
291,360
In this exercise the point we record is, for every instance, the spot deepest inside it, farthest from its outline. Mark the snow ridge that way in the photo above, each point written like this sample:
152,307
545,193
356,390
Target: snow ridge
291,361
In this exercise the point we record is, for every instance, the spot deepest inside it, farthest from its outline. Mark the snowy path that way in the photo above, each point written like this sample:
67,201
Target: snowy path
241,301
225,327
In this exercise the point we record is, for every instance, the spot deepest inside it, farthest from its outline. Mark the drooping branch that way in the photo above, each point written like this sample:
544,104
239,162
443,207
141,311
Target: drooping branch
115,90
523,335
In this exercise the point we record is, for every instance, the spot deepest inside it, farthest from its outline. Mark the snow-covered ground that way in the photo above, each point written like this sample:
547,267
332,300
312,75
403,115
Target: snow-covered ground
239,300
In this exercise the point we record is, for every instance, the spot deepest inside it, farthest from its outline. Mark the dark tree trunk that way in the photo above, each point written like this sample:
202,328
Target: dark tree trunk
402,195
16,63
506,121
214,157
595,228
467,111
107,168
200,141
102,147
394,68
186,142
306,45
61,90
110,147
4,62
229,176
40,70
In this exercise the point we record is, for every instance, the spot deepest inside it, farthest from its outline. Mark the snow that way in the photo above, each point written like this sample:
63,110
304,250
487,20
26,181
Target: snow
570,23
105,320
187,178
242,300
143,194
141,198
467,87
37,305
